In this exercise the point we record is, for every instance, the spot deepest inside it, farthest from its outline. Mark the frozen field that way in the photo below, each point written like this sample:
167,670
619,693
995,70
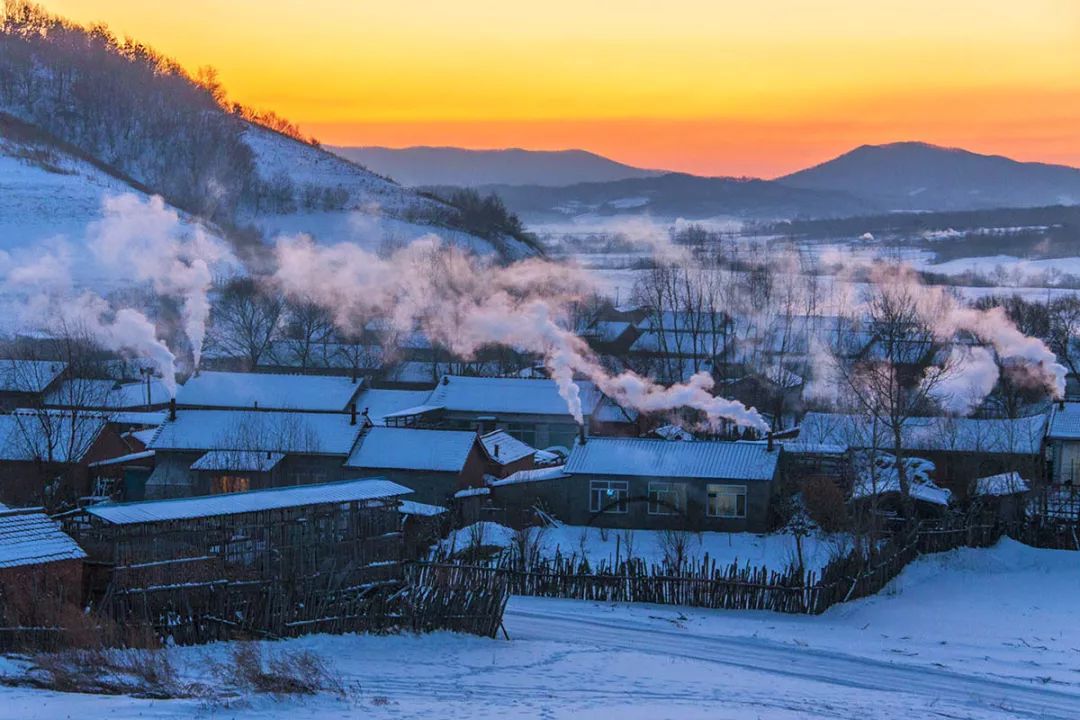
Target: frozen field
973,634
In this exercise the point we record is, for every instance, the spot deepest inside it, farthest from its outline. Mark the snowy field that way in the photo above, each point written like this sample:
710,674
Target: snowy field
776,551
972,634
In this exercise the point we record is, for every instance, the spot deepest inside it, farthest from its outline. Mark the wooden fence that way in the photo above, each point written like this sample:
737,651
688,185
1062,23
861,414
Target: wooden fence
729,587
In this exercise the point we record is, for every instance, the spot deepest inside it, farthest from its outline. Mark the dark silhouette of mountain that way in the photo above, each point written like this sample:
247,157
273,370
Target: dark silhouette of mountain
469,168
675,195
918,176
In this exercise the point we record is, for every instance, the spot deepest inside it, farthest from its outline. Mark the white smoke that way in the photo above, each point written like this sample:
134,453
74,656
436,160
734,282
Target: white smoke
973,375
466,303
147,242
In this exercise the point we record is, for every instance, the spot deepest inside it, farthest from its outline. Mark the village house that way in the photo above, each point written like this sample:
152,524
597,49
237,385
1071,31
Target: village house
961,449
199,452
41,572
644,483
434,464
530,410
506,454
1063,444
295,548
108,395
268,391
46,455
25,383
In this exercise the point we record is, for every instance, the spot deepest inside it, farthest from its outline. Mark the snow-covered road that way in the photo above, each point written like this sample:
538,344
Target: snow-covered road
661,636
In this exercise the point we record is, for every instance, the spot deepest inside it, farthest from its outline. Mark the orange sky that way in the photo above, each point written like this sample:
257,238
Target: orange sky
722,87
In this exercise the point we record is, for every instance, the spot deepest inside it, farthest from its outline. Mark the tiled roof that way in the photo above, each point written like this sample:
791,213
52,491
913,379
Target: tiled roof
270,391
287,432
31,538
246,502
393,448
516,396
644,457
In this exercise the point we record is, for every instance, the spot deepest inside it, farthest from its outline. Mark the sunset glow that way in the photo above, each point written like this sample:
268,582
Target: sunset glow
728,88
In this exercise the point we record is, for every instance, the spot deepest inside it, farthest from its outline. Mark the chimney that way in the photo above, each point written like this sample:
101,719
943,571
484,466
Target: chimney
1061,403
581,434
496,451
352,413
267,454
445,379
769,447
172,408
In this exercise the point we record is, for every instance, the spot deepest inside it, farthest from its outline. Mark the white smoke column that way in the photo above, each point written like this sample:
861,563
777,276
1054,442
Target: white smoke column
972,376
466,304
148,240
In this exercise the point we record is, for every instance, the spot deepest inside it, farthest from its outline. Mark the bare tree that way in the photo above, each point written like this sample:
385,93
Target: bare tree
245,320
308,328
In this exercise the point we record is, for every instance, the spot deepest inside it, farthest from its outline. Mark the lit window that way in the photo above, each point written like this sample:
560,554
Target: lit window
229,484
666,498
728,501
608,496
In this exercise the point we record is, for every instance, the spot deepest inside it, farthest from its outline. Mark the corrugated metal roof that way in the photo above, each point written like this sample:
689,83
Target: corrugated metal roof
380,402
393,448
1019,436
271,391
276,431
31,538
503,448
238,460
645,457
516,396
246,502
1065,423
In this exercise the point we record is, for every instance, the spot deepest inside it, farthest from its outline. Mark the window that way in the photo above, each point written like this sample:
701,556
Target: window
525,432
666,498
727,501
229,484
608,495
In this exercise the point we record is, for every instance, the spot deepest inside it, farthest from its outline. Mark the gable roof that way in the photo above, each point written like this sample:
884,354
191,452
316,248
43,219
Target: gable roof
98,393
286,432
1019,436
238,460
269,391
516,396
150,511
64,436
393,448
646,457
32,538
504,448
29,376
381,402
1065,422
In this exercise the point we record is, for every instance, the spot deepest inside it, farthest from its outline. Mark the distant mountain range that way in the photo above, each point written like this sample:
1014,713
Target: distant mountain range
918,176
418,166
871,179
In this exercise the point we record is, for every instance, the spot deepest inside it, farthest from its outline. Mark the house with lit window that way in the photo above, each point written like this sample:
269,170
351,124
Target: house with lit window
203,452
646,483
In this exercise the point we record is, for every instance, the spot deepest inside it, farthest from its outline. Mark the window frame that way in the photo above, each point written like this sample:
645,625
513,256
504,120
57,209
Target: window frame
621,506
675,504
735,490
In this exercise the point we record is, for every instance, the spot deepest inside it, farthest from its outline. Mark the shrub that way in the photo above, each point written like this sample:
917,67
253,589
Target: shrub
824,503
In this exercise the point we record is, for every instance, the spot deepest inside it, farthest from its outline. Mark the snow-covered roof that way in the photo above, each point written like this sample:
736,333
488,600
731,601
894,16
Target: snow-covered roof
472,492
131,458
97,393
60,435
514,396
132,417
379,402
608,411
607,330
646,457
268,391
888,482
1065,422
1008,483
504,448
1020,436
287,432
238,460
411,507
29,376
527,476
393,448
246,502
412,411
32,538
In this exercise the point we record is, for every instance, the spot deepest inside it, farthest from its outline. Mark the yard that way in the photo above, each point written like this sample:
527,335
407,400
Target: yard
975,634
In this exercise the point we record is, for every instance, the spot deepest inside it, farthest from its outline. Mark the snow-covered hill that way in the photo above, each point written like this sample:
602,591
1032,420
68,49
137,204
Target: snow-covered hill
336,200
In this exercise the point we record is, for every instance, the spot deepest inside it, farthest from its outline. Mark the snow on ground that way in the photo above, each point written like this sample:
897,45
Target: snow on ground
776,551
975,634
